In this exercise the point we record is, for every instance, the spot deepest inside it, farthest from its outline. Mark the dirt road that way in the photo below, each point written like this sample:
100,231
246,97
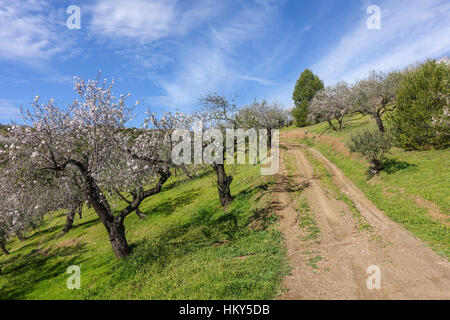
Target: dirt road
334,264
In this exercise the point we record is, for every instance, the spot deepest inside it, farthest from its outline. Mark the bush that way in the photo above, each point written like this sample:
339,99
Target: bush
422,116
372,145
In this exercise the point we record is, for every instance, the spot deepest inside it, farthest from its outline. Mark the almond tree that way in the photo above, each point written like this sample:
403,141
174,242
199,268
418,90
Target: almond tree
71,198
263,115
331,103
218,112
89,142
23,204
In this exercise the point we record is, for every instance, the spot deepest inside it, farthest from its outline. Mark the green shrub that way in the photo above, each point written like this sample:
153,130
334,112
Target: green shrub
372,145
422,116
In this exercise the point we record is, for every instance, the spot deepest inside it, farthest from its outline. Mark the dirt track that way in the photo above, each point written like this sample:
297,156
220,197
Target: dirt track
408,268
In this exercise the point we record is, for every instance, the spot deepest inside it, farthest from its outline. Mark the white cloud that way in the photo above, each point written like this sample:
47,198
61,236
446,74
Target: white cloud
146,21
28,31
411,31
214,64
258,80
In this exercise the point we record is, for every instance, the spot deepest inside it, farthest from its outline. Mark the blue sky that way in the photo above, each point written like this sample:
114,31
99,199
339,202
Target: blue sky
167,53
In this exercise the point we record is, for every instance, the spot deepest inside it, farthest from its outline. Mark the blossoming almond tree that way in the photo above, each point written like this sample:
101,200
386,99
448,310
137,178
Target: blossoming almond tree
89,142
219,113
331,103
24,202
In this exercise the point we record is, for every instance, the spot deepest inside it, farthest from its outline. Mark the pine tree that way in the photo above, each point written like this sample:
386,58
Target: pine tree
305,89
421,119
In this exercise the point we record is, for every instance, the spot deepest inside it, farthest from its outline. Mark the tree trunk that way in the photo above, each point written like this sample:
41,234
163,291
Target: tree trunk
375,167
80,210
114,225
341,121
69,220
20,235
379,122
118,239
331,124
223,185
140,214
3,247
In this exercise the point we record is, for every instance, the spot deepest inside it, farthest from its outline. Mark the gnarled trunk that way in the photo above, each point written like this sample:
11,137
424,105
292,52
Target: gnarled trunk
379,122
118,239
140,214
114,225
223,185
331,124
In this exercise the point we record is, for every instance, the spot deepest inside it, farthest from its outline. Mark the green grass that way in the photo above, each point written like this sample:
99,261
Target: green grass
407,176
312,262
186,248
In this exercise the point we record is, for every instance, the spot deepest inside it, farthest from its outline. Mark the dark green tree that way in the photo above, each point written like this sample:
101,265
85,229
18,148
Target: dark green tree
305,89
422,117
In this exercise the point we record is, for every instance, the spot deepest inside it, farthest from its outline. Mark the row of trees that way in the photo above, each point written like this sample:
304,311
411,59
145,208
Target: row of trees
60,158
374,96
410,108
414,101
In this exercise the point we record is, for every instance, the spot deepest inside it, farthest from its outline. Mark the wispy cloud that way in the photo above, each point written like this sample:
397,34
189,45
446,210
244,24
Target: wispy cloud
411,31
258,80
28,31
146,21
213,64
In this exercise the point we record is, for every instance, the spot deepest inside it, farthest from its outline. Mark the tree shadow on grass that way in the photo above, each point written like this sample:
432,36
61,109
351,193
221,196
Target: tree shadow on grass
176,183
24,271
263,186
208,226
169,206
391,166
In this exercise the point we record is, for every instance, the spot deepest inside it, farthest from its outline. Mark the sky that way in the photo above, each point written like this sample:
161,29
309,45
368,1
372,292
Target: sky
168,53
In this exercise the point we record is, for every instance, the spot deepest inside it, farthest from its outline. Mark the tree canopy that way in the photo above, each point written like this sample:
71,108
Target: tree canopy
305,89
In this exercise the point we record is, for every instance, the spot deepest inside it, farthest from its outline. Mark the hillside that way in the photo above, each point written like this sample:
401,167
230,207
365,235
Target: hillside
186,248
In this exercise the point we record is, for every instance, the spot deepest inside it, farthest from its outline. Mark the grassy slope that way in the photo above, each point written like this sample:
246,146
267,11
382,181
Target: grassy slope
408,176
186,248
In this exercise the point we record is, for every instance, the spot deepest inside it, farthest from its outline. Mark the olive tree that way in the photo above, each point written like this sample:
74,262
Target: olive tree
376,95
372,145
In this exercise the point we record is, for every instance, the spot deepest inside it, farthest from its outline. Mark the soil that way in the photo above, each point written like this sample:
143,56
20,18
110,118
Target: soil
336,264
